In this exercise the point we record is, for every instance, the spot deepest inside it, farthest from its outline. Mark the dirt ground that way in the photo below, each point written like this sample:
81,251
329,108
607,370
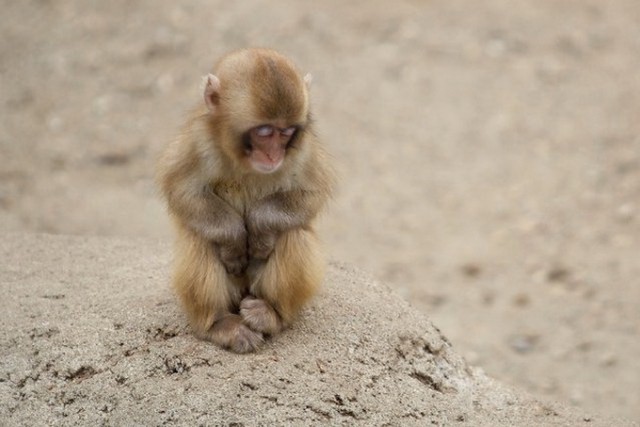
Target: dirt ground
85,344
489,154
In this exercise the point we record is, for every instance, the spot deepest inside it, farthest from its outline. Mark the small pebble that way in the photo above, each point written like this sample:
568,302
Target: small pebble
471,270
521,300
558,274
523,343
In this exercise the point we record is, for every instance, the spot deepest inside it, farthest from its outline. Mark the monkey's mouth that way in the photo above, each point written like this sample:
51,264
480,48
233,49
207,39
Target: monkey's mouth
265,158
265,166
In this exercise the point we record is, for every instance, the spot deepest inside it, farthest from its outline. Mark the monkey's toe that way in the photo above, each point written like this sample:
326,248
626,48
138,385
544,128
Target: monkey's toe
245,340
260,316
230,332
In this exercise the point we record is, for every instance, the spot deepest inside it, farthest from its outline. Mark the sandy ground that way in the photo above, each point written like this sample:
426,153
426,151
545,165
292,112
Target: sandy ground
84,343
489,153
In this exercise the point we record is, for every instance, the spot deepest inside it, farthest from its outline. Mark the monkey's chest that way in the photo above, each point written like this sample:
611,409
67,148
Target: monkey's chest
240,196
234,194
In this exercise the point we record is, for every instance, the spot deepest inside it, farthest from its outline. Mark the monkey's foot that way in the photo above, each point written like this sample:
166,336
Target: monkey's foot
230,332
260,316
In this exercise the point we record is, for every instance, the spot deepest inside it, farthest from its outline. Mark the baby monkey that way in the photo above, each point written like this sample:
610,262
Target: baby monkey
244,182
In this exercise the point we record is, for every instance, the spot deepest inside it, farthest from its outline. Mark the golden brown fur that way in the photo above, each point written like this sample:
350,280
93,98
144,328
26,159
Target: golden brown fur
247,256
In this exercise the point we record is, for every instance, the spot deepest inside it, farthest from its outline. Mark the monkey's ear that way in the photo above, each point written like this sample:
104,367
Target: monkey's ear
308,78
211,92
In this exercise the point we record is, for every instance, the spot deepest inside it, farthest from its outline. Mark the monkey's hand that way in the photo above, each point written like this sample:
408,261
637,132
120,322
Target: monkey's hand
233,257
261,244
232,249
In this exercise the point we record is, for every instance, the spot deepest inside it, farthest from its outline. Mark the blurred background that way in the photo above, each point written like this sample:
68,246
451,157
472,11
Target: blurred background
489,154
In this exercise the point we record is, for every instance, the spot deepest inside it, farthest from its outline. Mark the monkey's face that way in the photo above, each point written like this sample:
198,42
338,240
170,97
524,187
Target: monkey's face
267,145
260,103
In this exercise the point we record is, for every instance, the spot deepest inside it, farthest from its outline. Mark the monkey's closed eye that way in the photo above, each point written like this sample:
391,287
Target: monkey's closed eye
265,130
288,131
268,130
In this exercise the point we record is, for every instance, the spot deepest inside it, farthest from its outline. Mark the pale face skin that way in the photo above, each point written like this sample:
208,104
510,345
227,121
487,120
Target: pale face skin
268,145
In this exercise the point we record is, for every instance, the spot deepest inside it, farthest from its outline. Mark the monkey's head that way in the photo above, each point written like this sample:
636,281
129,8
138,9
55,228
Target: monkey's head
259,105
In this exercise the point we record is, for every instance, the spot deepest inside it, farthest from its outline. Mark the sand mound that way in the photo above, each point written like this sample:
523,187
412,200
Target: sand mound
92,334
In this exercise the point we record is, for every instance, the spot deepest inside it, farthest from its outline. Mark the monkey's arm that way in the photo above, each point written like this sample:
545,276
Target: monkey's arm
280,212
205,213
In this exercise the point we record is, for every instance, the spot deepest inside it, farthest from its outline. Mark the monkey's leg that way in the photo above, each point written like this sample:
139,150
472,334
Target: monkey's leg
208,295
284,283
